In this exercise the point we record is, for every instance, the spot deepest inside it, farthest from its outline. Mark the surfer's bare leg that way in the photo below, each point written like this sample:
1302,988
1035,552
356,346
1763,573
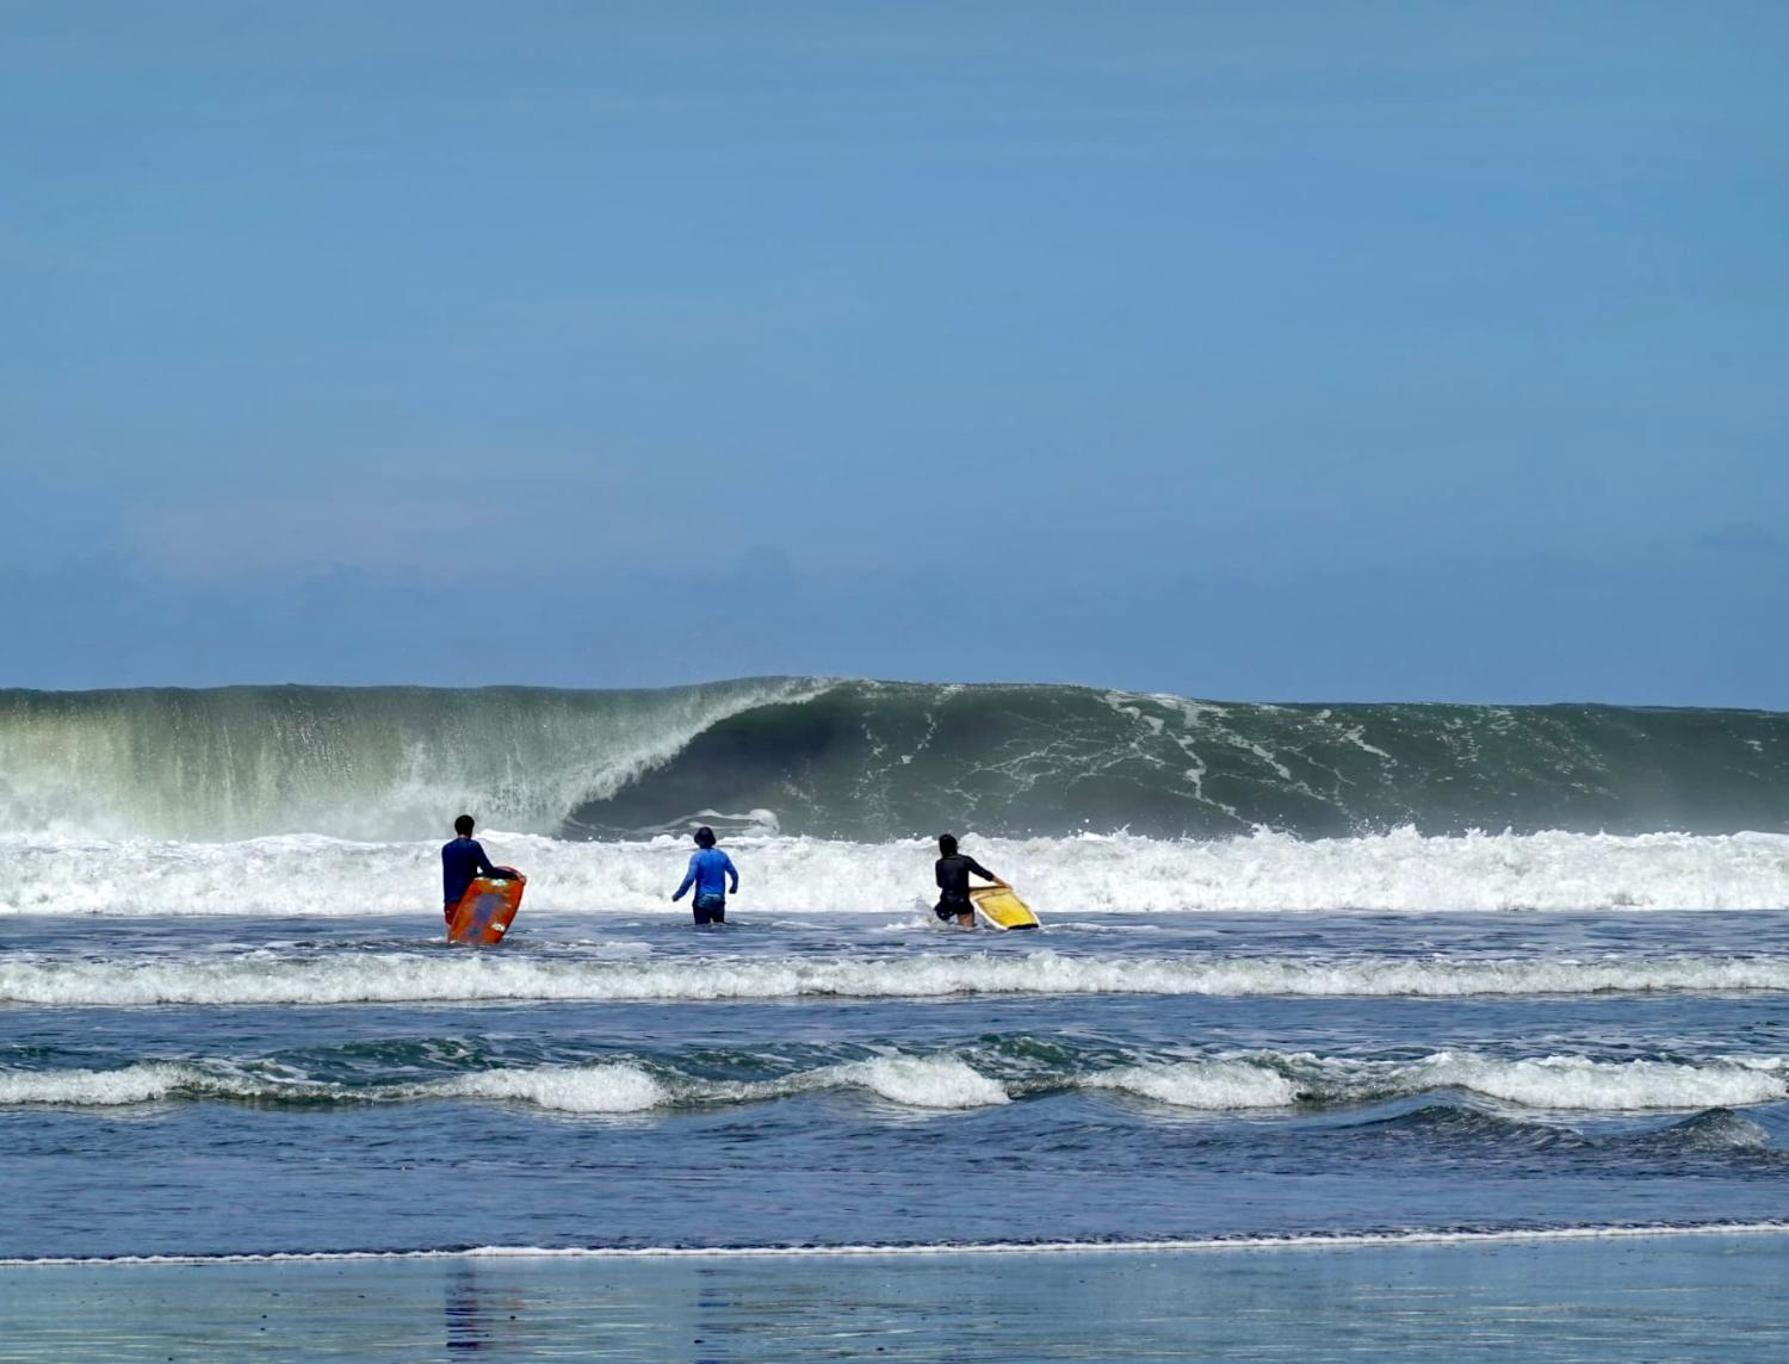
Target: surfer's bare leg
966,920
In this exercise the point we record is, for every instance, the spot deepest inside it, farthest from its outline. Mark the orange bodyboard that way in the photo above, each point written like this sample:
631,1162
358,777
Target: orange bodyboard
484,911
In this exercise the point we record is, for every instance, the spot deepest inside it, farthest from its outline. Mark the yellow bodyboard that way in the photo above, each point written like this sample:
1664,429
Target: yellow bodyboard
1002,908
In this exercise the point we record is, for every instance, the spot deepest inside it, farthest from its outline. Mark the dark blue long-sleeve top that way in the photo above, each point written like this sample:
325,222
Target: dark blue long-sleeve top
708,872
461,861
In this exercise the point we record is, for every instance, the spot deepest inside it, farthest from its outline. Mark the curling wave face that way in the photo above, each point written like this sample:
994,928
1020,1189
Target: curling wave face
866,762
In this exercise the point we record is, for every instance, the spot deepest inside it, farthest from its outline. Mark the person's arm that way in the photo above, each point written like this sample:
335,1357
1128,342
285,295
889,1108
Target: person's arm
485,867
983,872
689,879
732,871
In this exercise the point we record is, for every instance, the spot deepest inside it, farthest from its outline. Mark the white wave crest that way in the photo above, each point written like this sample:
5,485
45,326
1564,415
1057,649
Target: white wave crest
94,1088
257,978
1212,1085
1562,1082
1239,1082
309,875
1575,1083
617,1088
924,1081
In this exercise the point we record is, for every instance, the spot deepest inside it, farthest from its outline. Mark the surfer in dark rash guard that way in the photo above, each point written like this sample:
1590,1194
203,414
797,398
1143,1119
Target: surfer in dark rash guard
953,871
462,862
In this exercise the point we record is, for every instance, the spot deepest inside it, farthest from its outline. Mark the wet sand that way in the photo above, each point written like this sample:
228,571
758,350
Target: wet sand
1664,1297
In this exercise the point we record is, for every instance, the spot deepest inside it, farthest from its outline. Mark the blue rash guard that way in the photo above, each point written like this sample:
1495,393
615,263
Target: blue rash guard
709,870
461,861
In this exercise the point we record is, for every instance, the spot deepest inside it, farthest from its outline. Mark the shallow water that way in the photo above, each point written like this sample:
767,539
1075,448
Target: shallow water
213,1085
1680,1298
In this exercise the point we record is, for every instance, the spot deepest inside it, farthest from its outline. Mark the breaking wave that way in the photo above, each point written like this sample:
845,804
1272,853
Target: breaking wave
938,1082
865,761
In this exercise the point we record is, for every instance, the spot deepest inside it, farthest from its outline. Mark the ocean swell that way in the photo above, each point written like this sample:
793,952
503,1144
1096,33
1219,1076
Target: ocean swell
943,1082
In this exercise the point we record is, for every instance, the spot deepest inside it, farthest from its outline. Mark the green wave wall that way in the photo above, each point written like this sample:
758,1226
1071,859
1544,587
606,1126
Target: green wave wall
865,760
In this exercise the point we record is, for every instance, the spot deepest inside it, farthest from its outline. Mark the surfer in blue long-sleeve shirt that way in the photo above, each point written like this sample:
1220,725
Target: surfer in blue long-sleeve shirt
709,871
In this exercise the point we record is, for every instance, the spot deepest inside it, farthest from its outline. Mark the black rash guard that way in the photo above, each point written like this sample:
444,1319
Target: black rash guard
953,881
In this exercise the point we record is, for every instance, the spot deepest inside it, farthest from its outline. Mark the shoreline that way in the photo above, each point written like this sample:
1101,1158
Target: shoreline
1613,1294
928,1250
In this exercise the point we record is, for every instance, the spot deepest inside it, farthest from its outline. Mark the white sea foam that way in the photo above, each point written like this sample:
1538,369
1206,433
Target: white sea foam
1252,1081
1213,1085
616,1088
94,1088
1559,1082
314,875
925,1081
262,978
1575,1083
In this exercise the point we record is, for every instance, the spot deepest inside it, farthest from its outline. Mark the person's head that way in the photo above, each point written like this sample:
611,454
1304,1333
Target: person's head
705,837
947,844
463,826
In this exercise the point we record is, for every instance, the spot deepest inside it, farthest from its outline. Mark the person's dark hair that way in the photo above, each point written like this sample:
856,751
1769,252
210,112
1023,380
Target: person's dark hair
463,826
947,844
705,837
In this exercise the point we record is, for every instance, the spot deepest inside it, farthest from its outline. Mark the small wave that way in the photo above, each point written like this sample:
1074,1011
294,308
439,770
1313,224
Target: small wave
261,978
1308,1241
943,1081
925,1081
1556,1083
565,1089
1457,1125
1573,1082
1719,1129
97,1088
1211,1085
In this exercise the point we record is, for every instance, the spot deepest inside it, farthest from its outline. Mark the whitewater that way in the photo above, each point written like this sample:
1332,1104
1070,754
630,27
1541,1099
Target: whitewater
306,875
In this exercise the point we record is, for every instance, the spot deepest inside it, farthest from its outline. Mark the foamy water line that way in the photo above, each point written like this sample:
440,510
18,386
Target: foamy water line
1256,1081
1312,1241
383,977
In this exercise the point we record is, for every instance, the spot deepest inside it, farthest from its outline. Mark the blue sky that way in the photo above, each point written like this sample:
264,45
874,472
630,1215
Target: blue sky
1285,351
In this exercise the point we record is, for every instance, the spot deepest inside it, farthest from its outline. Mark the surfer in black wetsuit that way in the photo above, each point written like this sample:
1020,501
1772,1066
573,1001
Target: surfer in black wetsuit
953,882
462,862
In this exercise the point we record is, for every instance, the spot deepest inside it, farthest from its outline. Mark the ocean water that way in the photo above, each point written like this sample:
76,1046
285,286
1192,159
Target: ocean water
217,1085
230,1034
